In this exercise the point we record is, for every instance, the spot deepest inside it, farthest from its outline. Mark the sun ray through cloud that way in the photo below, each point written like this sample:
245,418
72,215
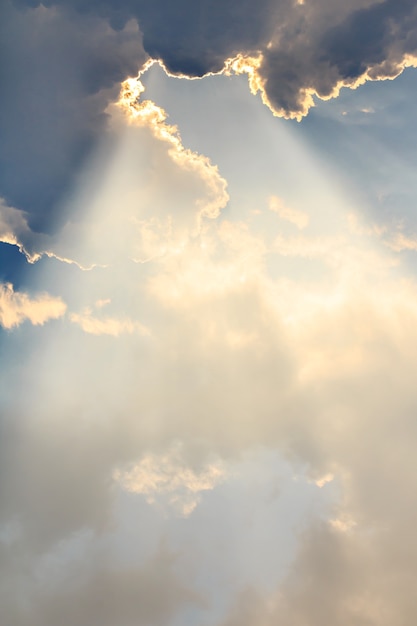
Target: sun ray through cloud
207,395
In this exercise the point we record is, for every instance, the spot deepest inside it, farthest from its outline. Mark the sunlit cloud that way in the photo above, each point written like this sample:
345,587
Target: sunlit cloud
16,307
168,478
147,113
107,325
147,225
269,325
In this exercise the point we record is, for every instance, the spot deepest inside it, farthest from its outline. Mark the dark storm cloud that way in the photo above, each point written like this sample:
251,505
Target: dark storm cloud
307,48
317,54
367,36
57,73
62,62
192,38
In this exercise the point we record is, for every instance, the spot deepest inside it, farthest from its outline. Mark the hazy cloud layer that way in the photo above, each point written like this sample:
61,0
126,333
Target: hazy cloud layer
195,332
238,353
103,593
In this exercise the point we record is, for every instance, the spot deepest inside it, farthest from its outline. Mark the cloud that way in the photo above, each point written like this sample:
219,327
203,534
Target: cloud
243,354
105,593
62,70
400,241
346,577
168,477
16,307
151,221
99,325
315,52
292,53
294,216
147,114
233,350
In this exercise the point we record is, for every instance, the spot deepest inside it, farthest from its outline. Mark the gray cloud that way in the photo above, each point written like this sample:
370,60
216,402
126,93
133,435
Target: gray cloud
315,54
62,62
100,591
58,72
306,47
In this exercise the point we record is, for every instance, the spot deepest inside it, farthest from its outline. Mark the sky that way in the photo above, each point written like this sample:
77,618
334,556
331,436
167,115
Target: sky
208,313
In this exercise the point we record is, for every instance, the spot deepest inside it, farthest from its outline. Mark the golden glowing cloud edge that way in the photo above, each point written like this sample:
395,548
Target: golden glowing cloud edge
251,65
